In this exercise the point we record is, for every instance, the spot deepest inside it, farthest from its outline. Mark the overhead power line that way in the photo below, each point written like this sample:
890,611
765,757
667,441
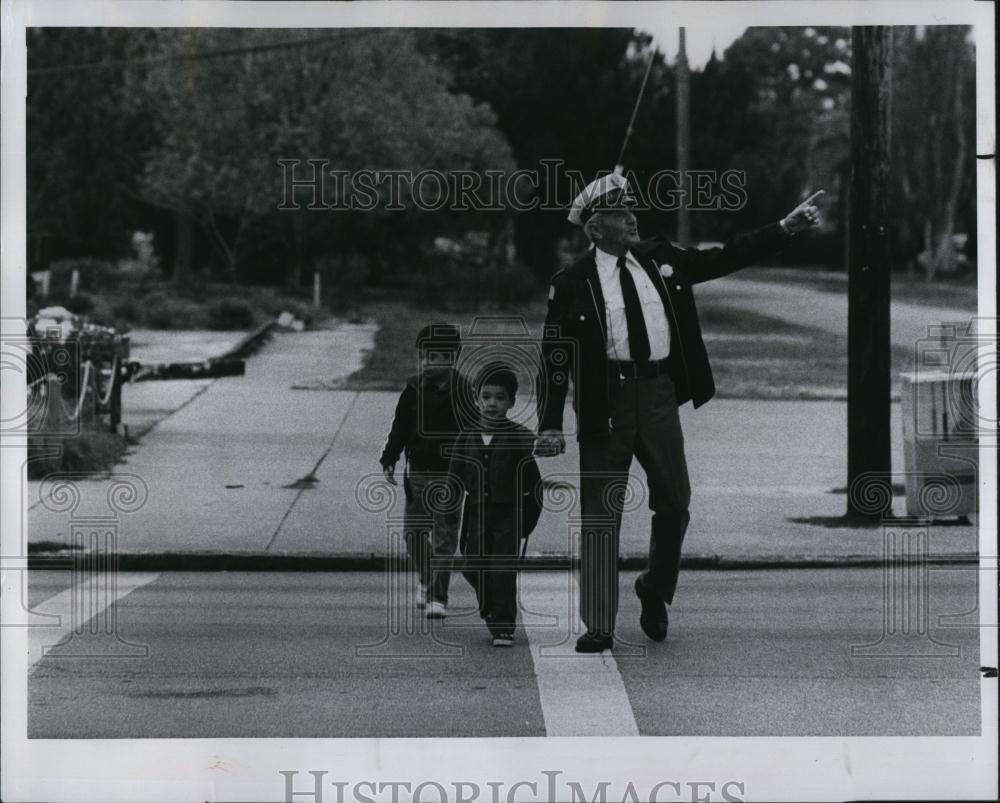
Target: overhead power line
196,55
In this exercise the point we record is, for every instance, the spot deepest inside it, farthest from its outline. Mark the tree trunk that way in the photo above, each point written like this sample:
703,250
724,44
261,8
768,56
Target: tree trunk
945,261
228,254
928,253
184,232
939,231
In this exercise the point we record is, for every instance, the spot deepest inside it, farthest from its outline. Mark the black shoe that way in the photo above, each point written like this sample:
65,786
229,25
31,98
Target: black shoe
592,641
653,620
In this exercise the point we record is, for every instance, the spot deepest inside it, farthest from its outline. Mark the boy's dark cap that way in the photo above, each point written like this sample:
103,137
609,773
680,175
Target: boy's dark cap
439,337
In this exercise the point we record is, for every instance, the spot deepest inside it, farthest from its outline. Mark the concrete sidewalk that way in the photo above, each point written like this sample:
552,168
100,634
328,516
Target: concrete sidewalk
144,404
224,475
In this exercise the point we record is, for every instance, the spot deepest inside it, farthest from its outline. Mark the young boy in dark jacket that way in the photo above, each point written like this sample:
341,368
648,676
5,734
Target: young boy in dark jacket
429,415
494,466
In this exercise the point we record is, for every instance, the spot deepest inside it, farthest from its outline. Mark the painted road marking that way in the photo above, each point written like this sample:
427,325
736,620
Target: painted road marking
93,597
581,695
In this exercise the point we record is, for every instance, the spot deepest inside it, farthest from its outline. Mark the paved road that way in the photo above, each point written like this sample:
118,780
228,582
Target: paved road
308,655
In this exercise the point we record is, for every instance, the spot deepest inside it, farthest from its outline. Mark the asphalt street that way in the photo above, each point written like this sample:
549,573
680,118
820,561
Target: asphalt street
755,653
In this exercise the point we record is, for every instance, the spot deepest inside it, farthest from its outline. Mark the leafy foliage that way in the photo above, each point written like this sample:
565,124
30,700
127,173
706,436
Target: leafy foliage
180,131
362,100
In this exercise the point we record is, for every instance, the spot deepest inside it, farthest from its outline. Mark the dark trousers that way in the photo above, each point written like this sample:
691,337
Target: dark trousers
422,521
646,425
490,533
417,524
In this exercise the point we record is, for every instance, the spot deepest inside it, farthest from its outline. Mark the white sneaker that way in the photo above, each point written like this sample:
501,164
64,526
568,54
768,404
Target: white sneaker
421,597
435,610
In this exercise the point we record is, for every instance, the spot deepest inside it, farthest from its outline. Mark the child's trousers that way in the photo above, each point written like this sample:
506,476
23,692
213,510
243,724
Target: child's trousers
422,490
491,537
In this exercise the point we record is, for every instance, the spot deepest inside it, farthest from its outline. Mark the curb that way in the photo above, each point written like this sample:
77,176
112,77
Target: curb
305,562
247,344
243,348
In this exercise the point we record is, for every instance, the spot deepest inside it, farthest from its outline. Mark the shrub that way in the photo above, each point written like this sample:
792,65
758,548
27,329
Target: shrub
459,283
93,448
81,303
92,308
126,308
273,305
509,285
90,451
231,313
95,274
160,311
135,270
137,279
344,278
304,312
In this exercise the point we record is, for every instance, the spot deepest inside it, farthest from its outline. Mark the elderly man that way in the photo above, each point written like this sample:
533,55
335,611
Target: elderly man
628,308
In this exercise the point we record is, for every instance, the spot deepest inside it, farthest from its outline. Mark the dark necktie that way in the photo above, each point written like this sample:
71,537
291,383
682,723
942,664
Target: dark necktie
638,338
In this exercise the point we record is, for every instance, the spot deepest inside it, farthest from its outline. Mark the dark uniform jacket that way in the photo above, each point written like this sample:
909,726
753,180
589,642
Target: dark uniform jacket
503,474
573,345
429,415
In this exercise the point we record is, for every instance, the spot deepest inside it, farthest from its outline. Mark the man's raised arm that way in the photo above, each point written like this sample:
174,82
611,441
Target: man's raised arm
696,265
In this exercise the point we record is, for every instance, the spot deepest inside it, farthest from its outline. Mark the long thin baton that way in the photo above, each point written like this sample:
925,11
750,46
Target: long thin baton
620,164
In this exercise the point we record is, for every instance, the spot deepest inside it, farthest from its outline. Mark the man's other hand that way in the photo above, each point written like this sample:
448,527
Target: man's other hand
803,216
550,442
389,472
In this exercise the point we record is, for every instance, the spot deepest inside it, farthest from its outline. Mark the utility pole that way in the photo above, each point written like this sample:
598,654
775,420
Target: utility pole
868,341
683,139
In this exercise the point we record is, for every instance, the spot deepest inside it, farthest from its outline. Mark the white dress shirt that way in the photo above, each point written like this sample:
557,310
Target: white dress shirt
657,327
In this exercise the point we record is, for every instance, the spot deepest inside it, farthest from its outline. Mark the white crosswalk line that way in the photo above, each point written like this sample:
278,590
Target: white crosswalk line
581,695
101,594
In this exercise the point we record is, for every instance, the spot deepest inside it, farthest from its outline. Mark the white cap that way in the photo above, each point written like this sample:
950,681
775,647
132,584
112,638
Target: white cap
606,192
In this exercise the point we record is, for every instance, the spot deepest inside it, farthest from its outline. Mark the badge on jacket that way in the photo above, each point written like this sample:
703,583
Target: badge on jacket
666,270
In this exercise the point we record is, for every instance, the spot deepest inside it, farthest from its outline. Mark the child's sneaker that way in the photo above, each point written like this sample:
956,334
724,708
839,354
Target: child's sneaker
435,610
503,639
421,597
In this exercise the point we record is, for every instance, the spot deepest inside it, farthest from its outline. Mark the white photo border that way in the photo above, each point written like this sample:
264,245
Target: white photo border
248,769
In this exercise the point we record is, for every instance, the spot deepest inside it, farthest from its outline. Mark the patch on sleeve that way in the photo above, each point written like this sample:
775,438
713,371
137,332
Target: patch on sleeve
666,269
552,291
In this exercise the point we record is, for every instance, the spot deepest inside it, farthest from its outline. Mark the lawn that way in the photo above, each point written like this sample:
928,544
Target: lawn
758,357
960,293
502,333
753,356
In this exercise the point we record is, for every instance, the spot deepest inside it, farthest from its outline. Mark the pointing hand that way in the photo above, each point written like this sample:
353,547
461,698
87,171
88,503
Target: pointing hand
803,216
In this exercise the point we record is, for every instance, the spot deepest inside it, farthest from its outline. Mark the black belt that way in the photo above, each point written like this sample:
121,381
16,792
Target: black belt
635,370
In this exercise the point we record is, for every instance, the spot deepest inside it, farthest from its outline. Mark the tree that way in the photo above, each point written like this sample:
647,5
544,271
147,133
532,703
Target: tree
934,103
363,99
776,107
85,140
558,93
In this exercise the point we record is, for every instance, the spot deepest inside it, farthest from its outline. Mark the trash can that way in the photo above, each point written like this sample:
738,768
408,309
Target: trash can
940,442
